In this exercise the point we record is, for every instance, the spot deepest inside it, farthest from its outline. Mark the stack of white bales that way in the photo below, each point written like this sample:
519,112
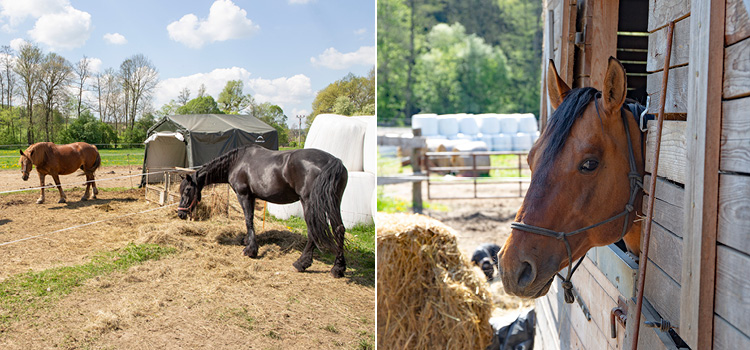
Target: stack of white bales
496,132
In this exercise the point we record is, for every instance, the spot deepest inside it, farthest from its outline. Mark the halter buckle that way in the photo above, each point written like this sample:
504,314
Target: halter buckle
643,115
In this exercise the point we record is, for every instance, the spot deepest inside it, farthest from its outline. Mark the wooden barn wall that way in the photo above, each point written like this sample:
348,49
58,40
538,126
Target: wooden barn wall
732,300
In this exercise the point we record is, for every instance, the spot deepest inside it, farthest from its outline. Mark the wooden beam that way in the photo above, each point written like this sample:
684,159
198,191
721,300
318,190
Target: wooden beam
701,188
661,12
657,46
737,73
676,91
737,22
734,201
672,153
732,302
735,136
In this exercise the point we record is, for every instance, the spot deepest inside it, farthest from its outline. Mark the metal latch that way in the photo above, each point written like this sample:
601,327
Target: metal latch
581,37
619,314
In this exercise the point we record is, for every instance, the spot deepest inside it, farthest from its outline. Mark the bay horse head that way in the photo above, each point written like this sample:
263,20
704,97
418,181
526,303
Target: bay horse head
26,163
190,196
586,170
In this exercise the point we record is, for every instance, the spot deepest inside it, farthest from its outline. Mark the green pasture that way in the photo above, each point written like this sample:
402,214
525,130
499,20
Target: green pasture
110,157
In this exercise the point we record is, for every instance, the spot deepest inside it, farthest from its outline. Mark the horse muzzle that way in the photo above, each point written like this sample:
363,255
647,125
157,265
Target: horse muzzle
24,176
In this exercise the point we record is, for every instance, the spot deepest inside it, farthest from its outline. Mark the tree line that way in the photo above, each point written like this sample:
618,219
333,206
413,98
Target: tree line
40,92
455,56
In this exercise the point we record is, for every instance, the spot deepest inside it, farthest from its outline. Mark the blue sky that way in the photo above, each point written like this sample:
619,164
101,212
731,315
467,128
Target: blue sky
283,50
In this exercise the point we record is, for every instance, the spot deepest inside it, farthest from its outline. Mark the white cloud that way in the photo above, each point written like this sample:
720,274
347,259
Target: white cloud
16,44
281,91
225,21
95,64
360,31
333,59
58,24
115,38
214,81
300,1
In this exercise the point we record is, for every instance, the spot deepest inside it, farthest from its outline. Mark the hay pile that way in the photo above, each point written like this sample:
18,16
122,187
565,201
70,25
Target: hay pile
429,296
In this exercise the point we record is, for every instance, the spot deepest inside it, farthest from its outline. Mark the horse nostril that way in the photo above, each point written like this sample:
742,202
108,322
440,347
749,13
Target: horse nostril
527,275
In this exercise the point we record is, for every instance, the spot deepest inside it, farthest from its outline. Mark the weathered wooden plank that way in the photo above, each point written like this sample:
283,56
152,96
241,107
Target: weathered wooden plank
665,249
737,22
727,337
657,46
734,211
663,293
660,12
647,338
667,215
735,136
602,35
672,154
676,91
733,287
596,332
737,70
665,190
611,266
546,325
702,173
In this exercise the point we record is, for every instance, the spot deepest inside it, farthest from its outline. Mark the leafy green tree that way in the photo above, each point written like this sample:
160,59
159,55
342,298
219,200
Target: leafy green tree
459,72
393,58
354,95
140,129
88,129
274,116
200,105
232,100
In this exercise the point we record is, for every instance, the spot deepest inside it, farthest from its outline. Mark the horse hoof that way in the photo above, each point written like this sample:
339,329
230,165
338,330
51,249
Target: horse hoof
84,198
300,266
337,272
39,201
62,200
250,252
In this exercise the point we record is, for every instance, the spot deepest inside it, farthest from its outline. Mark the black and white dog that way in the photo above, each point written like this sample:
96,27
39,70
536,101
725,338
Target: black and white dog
485,256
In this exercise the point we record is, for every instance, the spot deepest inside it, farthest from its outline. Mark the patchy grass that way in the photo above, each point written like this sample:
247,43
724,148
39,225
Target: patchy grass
508,160
390,166
390,204
110,157
24,293
359,250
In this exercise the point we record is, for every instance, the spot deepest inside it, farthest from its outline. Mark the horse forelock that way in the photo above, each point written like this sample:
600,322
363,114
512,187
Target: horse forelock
561,123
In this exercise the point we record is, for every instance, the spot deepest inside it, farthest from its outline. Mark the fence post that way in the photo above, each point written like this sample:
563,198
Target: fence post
416,189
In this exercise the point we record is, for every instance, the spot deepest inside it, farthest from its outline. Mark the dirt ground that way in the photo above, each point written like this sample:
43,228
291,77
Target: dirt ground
207,295
11,180
475,221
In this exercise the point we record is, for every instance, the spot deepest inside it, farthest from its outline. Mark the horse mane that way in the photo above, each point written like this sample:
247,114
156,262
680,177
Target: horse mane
218,169
562,119
39,152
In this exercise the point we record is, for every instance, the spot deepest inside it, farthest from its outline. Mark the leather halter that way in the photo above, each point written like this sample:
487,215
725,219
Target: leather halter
636,185
189,207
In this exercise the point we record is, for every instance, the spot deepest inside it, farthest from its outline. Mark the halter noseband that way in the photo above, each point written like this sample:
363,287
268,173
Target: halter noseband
636,185
189,207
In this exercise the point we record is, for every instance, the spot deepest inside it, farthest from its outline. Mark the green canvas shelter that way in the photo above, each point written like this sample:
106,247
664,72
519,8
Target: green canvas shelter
196,139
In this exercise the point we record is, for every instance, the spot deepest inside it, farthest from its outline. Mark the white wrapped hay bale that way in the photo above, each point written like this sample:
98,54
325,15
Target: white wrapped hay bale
488,124
486,138
429,296
527,123
482,160
461,136
508,124
502,143
448,125
468,125
522,141
427,122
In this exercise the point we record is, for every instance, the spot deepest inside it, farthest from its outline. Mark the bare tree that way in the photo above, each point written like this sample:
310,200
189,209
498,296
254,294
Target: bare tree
139,79
83,71
184,96
28,68
7,62
56,74
202,90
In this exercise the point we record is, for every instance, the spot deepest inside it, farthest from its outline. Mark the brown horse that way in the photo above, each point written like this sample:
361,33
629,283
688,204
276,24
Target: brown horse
54,160
585,184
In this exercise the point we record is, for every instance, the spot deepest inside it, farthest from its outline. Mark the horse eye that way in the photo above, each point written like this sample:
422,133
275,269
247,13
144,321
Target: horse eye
588,166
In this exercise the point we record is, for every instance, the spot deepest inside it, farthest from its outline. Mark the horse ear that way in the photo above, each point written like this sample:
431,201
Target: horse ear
556,87
21,152
615,85
189,178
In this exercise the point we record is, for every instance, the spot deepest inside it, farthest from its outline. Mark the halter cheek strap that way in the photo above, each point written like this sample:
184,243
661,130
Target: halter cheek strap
635,186
189,207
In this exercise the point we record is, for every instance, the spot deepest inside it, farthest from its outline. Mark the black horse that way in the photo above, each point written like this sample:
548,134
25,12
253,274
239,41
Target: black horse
314,177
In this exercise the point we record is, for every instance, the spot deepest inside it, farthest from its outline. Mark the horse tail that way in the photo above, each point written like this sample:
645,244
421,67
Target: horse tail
324,207
97,162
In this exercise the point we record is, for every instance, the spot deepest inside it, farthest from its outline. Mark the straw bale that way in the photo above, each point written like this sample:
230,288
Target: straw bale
429,295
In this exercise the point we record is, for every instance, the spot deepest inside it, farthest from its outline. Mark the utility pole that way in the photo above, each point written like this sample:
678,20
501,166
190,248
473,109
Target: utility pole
299,131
